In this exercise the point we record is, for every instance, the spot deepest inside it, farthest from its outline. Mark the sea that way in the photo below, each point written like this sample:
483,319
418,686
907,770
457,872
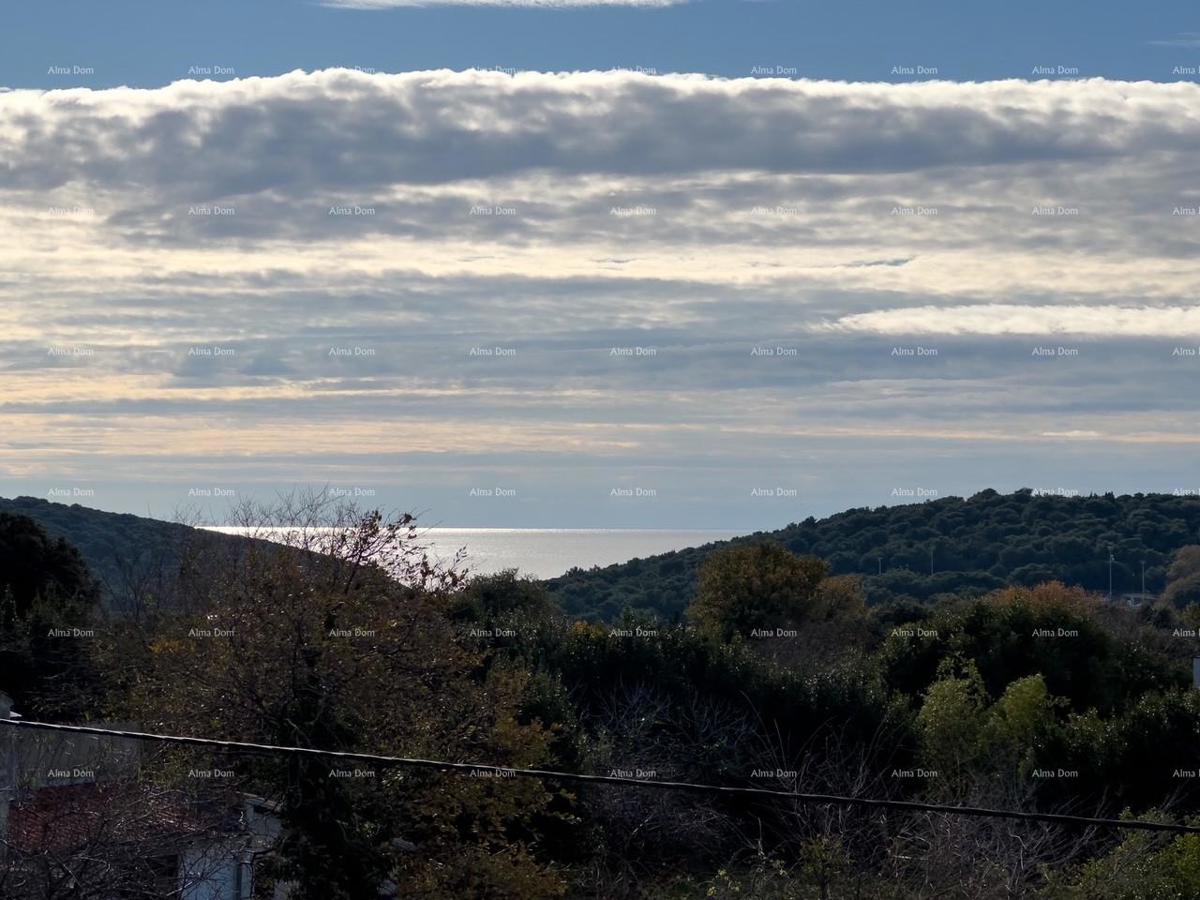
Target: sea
549,552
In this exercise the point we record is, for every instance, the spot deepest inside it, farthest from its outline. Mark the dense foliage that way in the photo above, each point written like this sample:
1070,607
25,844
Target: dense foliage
47,603
780,675
127,555
920,551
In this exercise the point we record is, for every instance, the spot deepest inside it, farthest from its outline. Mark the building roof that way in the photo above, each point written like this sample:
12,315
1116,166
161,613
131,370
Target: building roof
67,818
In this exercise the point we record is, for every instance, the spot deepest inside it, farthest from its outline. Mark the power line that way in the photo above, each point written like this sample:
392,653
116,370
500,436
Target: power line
693,787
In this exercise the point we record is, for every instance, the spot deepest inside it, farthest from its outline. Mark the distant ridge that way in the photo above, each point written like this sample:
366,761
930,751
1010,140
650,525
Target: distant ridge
116,546
977,544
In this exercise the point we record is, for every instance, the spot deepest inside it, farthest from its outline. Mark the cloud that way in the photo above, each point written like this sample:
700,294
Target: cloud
348,132
1004,319
776,180
1189,39
422,216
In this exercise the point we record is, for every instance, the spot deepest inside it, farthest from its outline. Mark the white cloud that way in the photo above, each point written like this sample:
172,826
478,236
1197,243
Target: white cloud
1189,39
826,216
352,131
996,319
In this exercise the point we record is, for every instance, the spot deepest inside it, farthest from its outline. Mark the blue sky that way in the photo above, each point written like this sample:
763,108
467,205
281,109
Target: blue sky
597,298
153,43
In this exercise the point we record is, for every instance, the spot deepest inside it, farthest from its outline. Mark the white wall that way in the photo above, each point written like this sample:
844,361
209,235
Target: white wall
210,873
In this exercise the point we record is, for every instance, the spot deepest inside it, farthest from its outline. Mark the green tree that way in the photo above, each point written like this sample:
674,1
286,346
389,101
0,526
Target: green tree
1143,866
48,601
951,723
760,586
501,597
1019,724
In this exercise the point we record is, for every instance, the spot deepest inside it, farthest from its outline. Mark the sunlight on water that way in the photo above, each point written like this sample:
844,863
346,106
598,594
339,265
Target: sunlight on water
546,552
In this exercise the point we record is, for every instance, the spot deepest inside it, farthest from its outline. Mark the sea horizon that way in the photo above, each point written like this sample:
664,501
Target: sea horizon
546,552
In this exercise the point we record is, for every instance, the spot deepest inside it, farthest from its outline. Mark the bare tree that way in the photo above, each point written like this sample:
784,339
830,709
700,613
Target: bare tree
126,838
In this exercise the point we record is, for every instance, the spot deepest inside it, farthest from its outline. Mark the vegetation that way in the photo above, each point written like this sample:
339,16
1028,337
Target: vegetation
47,602
779,674
921,551
130,557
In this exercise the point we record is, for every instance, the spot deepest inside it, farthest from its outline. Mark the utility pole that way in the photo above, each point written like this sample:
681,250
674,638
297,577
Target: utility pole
1110,565
880,558
1143,580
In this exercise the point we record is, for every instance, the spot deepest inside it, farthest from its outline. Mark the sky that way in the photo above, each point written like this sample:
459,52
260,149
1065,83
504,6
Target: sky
690,265
151,43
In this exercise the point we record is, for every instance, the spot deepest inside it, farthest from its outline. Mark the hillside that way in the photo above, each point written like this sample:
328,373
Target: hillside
119,549
976,544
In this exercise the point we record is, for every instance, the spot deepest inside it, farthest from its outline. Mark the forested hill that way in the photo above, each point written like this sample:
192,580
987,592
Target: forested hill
977,544
118,548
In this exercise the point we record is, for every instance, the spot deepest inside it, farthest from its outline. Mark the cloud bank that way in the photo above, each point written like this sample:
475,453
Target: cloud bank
299,269
1034,321
342,128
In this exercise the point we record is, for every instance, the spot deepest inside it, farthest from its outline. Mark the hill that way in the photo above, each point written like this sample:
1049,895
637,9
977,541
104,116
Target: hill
918,551
121,550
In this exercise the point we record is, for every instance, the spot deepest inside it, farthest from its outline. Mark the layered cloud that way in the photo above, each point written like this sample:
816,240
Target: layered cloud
1035,321
307,271
340,129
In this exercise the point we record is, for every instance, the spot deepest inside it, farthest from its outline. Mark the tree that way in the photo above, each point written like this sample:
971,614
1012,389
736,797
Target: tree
500,597
1183,577
951,723
47,602
1143,866
761,586
1018,725
33,565
116,839
336,637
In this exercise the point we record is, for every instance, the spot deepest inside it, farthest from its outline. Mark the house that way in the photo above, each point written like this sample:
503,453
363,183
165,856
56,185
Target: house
76,815
143,837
